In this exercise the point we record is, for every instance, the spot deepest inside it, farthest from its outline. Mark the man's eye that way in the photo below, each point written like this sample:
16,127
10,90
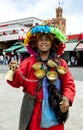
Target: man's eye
46,39
40,39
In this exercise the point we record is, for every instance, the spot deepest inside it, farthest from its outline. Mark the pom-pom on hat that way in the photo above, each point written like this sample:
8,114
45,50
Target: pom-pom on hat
46,27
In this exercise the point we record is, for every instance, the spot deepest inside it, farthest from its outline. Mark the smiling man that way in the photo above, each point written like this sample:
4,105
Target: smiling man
45,44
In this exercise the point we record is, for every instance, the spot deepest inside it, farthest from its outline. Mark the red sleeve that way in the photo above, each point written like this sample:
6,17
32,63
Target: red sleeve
24,69
68,85
18,80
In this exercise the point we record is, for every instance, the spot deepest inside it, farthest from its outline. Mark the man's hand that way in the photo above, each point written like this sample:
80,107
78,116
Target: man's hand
64,104
13,65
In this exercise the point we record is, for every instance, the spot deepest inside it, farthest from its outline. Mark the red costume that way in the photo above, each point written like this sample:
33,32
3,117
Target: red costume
29,84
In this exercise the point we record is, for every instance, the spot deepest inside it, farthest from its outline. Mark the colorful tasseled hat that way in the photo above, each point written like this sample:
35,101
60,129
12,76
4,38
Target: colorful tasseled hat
46,27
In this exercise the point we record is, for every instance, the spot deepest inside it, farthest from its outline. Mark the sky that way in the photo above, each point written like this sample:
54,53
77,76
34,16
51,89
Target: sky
44,9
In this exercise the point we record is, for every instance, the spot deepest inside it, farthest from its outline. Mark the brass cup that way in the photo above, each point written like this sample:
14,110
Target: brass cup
61,70
51,63
40,74
37,66
52,75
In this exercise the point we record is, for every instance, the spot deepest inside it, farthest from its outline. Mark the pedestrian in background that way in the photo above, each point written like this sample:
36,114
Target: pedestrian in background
72,61
1,59
38,73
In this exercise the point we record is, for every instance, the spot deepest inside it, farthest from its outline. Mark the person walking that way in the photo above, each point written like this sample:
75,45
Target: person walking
1,59
39,75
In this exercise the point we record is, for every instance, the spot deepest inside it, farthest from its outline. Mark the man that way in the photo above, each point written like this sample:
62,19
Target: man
44,43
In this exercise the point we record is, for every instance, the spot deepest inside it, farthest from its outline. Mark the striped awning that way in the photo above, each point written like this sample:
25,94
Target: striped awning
70,46
79,47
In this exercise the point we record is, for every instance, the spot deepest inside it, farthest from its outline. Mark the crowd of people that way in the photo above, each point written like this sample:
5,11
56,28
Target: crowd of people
5,59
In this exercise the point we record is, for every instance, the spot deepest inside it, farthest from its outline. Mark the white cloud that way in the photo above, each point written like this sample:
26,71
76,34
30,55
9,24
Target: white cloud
44,9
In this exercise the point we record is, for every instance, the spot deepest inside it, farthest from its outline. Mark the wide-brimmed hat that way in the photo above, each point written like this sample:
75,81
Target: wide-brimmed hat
55,34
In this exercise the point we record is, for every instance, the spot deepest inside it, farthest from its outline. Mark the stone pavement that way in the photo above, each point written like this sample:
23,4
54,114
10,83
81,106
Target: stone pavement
10,103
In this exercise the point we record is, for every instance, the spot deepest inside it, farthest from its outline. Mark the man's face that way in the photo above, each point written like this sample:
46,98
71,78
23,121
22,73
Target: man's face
44,42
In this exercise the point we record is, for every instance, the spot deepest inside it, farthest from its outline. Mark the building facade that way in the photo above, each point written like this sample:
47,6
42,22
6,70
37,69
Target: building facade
13,31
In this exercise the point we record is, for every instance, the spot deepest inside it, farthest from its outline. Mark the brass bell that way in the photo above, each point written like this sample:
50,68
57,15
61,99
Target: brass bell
9,76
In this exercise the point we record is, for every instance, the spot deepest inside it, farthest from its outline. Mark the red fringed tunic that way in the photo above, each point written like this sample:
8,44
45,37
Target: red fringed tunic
30,86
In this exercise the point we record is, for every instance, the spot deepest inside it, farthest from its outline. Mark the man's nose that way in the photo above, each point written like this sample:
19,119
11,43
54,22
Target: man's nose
43,40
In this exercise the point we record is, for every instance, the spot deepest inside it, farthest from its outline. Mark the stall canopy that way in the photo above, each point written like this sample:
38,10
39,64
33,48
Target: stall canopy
22,50
13,48
79,47
70,46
